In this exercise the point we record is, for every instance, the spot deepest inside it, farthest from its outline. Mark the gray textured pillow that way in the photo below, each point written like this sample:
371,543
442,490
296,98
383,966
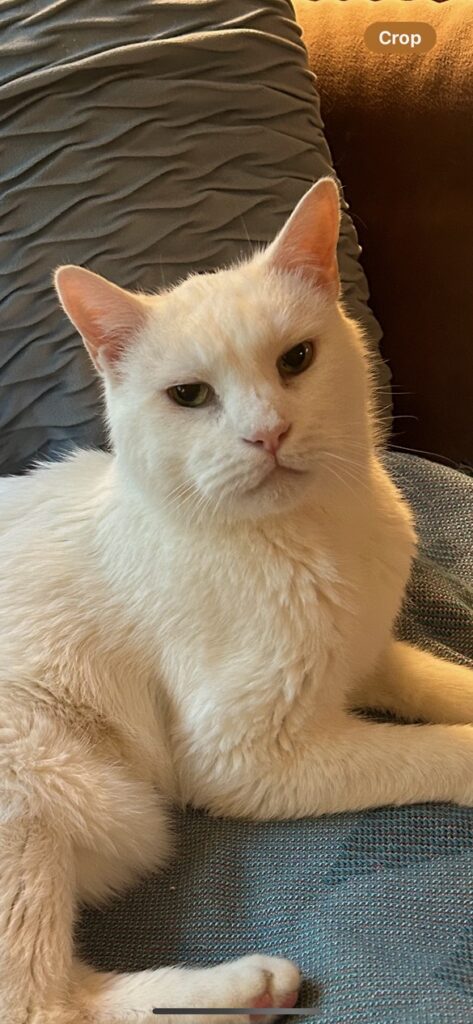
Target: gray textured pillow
149,141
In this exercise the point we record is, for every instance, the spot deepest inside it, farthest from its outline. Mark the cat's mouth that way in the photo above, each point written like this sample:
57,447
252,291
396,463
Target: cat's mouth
278,471
279,467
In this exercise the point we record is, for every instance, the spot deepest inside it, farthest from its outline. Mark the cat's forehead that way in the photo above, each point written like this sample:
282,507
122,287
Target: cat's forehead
243,309
212,294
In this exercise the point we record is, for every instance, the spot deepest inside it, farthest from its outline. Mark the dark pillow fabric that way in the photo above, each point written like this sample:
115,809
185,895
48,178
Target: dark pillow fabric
143,141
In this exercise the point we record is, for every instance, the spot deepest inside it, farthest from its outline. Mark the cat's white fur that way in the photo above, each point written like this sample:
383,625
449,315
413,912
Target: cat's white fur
184,621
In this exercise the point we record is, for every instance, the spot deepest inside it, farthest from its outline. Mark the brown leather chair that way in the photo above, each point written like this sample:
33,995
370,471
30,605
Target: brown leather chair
400,126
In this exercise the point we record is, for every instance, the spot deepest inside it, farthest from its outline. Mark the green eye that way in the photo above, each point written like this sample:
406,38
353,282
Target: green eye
191,395
296,360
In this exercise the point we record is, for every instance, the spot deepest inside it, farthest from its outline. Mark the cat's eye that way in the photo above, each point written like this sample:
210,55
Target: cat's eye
296,360
191,395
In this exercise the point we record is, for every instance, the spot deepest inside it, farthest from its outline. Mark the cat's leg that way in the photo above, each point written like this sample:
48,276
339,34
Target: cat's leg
39,984
343,763
36,915
59,798
416,685
254,981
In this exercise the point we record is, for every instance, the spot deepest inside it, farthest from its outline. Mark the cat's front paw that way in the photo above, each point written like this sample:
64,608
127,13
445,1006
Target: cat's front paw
254,982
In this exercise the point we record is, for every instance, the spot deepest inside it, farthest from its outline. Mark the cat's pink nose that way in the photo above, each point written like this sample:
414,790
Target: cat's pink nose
270,440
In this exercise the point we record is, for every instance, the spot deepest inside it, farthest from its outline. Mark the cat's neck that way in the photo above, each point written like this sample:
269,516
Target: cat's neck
140,529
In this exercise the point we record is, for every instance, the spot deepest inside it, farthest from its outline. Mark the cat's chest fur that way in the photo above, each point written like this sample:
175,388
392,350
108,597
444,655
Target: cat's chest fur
243,615
254,629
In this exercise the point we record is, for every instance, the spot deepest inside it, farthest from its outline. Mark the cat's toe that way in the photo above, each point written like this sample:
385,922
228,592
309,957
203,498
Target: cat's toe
278,983
268,1001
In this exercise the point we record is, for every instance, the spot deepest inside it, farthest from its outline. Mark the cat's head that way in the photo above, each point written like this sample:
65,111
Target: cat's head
238,390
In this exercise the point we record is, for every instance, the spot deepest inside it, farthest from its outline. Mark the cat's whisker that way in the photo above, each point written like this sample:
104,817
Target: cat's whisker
179,487
351,466
187,502
404,416
353,457
344,477
175,503
344,442
420,451
175,492
180,499
202,503
223,475
341,480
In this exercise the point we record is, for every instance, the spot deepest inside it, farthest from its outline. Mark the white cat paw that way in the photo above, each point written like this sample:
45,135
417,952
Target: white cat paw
254,982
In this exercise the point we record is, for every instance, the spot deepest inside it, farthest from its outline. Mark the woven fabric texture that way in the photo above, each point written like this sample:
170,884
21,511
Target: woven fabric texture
142,141
376,907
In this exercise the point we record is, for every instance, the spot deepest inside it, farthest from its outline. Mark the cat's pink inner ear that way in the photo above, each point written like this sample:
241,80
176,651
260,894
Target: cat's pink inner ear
107,317
308,241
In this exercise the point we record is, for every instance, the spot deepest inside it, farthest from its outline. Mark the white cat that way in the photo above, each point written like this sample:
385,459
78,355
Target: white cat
191,618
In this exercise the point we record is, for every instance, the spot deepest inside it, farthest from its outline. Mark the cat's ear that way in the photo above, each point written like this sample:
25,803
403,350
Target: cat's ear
107,317
308,241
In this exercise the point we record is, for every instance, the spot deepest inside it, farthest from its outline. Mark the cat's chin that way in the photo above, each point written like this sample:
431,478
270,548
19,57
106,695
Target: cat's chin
277,491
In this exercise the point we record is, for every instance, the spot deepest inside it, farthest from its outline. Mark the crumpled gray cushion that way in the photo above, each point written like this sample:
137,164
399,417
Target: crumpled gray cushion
374,906
142,141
